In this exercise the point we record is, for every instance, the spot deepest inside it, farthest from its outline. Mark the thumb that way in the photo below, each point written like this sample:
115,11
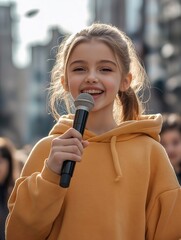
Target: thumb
85,143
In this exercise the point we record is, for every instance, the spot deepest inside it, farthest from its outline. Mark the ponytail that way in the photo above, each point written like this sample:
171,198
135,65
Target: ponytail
130,105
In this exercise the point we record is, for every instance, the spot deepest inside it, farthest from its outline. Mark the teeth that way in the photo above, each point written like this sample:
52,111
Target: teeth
92,91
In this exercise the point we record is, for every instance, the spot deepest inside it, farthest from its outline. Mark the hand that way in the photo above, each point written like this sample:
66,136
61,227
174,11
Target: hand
68,146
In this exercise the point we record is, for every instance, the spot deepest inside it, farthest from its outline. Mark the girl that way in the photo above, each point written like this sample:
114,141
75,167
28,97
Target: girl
124,187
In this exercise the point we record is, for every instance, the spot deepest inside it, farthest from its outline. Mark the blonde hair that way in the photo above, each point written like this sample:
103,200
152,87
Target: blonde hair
128,103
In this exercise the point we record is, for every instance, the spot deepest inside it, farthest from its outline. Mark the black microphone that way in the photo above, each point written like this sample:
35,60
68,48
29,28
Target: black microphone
83,103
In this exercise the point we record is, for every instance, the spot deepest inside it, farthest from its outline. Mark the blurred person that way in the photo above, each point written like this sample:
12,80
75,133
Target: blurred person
124,186
171,140
21,156
7,179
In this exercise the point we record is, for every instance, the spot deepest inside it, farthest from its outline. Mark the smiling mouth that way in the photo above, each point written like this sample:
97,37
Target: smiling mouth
92,91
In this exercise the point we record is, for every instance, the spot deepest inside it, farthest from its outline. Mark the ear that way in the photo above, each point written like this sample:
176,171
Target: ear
64,83
126,82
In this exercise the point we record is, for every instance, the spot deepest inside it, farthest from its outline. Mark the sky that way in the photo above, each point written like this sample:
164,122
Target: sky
69,15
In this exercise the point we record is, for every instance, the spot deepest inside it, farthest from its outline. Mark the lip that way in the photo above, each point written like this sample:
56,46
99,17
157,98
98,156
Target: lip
92,91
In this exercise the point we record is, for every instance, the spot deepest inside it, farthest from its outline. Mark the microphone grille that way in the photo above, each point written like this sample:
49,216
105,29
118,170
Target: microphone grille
84,100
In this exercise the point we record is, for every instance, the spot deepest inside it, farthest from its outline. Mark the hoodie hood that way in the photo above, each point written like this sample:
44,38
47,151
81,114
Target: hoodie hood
149,125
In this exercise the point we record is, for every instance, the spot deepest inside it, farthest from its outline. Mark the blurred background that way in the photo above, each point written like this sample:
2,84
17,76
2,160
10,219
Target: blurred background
30,32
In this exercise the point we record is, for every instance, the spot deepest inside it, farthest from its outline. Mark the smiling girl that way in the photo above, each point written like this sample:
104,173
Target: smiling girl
124,186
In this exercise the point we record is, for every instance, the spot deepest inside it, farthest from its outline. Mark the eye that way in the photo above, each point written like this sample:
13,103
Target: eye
77,69
176,142
106,69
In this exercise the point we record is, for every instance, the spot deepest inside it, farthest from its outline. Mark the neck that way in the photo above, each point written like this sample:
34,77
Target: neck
99,123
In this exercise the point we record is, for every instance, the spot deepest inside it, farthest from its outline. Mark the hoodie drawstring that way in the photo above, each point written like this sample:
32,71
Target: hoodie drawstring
115,159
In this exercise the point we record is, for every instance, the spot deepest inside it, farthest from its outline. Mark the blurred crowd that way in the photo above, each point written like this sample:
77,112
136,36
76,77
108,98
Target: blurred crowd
11,164
12,160
171,140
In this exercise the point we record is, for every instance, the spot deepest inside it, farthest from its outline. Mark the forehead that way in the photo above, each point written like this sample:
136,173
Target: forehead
93,49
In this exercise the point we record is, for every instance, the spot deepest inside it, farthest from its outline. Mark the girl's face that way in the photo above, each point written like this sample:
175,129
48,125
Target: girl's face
92,68
171,140
4,169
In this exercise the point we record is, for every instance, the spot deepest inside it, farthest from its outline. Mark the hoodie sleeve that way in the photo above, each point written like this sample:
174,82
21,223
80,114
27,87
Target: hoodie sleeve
164,207
164,221
36,200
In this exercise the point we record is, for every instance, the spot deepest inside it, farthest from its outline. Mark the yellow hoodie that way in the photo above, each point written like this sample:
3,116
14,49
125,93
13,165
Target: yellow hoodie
124,189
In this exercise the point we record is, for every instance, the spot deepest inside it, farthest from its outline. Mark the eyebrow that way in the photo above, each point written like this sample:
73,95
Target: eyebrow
101,61
108,61
77,62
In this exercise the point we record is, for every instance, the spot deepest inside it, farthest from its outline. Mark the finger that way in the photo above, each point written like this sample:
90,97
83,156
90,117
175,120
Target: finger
55,162
85,143
71,133
57,143
69,149
59,157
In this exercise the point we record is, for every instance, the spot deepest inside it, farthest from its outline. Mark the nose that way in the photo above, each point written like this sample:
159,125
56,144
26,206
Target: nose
91,78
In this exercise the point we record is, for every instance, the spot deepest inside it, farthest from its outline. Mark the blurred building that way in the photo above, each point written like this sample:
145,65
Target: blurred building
170,23
43,58
24,114
108,11
154,27
8,74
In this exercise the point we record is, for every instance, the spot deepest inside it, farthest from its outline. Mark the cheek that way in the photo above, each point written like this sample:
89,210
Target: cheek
179,150
72,82
113,86
74,86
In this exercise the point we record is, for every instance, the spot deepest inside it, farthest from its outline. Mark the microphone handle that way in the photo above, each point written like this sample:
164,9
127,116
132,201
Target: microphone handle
68,166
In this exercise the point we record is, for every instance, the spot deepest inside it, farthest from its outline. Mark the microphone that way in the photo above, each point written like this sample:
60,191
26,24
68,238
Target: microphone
83,103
